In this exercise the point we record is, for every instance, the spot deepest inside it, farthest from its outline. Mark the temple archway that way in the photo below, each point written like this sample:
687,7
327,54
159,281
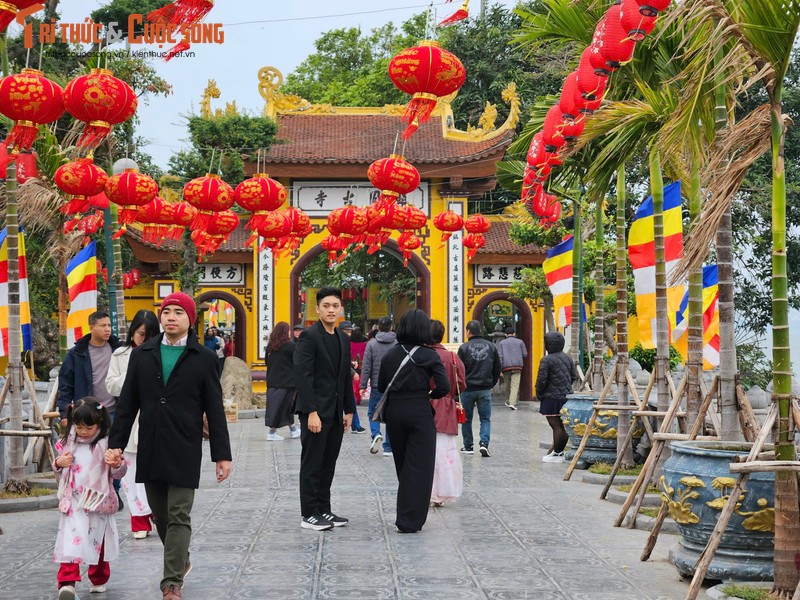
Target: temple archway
240,318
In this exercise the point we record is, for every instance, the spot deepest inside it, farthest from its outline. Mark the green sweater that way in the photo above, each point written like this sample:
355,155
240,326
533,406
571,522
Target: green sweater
169,356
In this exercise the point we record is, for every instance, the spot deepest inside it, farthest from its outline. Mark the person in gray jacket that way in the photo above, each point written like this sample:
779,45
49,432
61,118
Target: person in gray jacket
376,349
512,352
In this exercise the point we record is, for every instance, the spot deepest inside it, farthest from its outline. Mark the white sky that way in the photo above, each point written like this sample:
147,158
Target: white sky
279,34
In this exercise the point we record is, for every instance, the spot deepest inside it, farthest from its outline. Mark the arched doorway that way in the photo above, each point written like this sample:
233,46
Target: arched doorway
240,318
415,264
524,327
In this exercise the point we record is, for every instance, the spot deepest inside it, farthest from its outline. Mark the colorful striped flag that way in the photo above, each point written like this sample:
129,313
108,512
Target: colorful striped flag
82,284
642,254
557,269
213,314
228,314
710,320
24,303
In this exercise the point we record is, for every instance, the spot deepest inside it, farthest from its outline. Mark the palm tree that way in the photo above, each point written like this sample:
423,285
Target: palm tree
756,37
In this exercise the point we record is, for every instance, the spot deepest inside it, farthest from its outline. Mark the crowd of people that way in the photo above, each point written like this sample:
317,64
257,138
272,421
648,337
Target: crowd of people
135,415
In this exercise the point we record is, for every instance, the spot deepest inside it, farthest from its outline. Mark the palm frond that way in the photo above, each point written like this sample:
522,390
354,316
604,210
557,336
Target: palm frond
737,147
559,23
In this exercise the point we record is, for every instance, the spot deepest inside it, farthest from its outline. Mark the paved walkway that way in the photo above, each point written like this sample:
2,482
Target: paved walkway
519,531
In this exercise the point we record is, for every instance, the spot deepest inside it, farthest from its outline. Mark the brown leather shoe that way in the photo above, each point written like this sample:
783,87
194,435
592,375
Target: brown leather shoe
172,592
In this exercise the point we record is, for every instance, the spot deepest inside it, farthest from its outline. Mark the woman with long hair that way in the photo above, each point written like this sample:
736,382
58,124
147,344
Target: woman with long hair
143,327
448,476
280,383
554,381
409,415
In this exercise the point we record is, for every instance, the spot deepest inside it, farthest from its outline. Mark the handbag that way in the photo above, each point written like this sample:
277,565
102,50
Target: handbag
380,408
461,414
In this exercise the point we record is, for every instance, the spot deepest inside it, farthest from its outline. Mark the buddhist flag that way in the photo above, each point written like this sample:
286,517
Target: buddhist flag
642,254
213,314
24,303
228,314
82,284
710,320
558,273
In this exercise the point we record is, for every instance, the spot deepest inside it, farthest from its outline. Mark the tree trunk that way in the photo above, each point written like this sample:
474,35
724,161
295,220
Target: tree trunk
549,318
662,316
787,512
694,360
119,292
624,454
575,327
599,312
187,272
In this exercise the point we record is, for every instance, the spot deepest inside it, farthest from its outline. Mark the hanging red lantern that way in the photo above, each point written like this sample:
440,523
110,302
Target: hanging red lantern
348,223
427,72
554,211
130,190
99,201
569,100
634,22
573,128
136,275
411,218
210,195
617,47
589,83
101,101
182,216
331,245
259,195
551,130
26,166
474,242
596,59
157,217
394,176
29,99
9,8
448,222
537,151
379,226
477,223
408,245
651,8
274,227
301,227
208,241
181,12
538,202
81,179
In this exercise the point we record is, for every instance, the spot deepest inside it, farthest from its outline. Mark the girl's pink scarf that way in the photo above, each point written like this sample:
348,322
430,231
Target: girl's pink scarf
98,486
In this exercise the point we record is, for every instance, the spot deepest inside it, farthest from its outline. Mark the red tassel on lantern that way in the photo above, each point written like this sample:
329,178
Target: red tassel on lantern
474,242
635,23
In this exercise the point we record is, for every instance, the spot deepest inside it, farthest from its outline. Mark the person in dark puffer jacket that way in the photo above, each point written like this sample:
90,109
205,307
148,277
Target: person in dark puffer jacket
557,373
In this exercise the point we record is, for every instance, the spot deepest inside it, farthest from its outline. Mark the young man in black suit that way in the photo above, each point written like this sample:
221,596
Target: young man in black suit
326,404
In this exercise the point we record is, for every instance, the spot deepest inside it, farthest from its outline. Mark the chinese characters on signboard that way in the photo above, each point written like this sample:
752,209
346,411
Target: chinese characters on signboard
318,198
455,280
498,275
220,274
265,289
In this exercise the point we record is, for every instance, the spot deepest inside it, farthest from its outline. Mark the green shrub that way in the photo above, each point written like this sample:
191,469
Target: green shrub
647,358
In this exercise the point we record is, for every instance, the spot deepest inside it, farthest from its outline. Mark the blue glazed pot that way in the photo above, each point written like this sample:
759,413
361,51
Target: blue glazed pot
696,483
602,444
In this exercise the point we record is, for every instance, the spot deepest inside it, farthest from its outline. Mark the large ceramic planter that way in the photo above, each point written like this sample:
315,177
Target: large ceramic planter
696,483
602,443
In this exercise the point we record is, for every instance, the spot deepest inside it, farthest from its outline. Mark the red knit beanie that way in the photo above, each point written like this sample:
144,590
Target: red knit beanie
184,301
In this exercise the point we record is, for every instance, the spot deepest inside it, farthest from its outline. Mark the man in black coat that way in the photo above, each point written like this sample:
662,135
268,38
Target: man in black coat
172,381
326,404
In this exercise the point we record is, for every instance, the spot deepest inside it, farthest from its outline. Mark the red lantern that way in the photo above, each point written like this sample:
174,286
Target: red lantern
99,201
394,176
157,217
274,227
9,8
448,222
210,195
553,213
408,245
589,83
537,152
427,72
477,223
348,223
209,241
82,179
101,101
596,59
332,245
26,166
29,99
573,128
130,190
182,216
474,242
259,195
570,95
412,218
617,47
380,222
136,275
301,227
551,131
651,8
634,22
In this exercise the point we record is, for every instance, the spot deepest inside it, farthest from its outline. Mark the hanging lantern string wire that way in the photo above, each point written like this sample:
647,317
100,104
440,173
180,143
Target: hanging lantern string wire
211,161
27,58
41,52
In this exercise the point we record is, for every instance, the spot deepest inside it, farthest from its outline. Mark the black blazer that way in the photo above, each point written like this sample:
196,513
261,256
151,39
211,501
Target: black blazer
318,388
171,415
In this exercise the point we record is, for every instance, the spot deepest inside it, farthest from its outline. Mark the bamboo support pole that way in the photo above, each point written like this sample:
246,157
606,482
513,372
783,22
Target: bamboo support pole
747,417
18,433
653,537
765,466
4,393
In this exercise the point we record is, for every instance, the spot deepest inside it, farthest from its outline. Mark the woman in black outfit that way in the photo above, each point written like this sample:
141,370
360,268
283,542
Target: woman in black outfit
280,383
409,416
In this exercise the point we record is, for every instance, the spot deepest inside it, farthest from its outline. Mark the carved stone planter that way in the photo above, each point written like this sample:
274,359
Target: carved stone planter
602,444
696,483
